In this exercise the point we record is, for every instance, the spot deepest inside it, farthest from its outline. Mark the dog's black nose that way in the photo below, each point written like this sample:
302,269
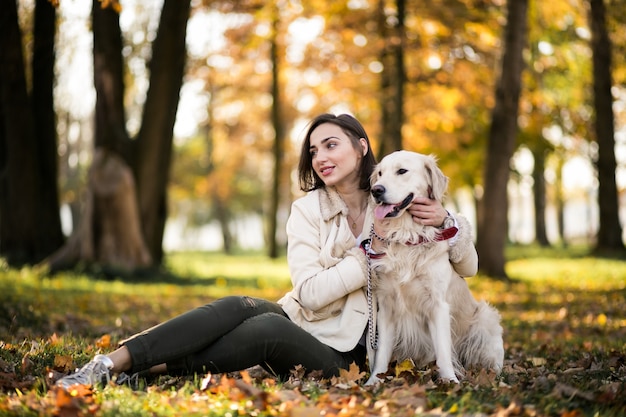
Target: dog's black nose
378,191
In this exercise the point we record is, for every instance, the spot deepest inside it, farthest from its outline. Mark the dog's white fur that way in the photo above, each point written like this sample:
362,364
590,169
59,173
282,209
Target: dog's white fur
426,311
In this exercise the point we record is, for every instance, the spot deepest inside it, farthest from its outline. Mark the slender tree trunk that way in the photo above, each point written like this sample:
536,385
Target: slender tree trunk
560,201
492,223
49,229
610,231
153,151
279,146
18,148
539,200
393,78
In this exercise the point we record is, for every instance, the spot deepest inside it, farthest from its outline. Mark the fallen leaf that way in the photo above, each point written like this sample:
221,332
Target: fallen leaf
104,342
354,374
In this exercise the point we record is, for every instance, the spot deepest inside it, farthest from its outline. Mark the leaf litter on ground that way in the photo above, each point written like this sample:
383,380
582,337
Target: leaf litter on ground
565,342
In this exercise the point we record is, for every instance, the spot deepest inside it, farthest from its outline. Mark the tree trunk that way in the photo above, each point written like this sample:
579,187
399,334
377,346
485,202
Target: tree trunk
49,229
108,66
539,194
109,231
560,201
278,140
610,231
492,223
153,151
393,78
19,178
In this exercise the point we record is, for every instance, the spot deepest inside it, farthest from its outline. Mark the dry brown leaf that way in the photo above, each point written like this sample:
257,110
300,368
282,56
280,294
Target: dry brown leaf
354,374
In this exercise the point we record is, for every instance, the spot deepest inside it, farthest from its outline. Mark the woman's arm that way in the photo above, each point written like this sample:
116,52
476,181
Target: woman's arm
463,255
321,272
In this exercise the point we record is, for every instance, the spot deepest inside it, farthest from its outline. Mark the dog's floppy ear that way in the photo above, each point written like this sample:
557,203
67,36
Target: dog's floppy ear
438,181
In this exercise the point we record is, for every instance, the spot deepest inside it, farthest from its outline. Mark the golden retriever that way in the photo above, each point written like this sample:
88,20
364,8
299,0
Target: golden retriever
426,311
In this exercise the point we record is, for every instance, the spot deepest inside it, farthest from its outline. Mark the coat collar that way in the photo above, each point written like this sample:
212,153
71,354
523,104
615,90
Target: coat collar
331,203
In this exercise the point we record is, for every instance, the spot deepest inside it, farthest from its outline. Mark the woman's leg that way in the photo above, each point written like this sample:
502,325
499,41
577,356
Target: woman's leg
191,332
272,341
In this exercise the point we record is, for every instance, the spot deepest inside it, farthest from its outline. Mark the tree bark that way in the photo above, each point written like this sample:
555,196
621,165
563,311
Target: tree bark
279,139
49,229
393,78
19,184
109,231
609,238
108,66
492,230
153,152
539,194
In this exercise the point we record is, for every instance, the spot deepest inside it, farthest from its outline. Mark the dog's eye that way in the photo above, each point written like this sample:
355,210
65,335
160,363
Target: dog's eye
401,171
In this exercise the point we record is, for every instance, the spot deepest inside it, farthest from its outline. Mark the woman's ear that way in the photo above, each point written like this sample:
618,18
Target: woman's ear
364,146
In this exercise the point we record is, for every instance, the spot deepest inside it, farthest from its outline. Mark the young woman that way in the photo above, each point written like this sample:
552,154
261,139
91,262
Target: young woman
321,323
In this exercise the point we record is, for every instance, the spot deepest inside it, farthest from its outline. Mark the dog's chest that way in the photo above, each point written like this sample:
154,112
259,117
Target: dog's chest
410,278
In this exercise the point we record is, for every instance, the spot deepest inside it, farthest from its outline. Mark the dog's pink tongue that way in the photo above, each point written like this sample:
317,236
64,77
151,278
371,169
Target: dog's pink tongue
382,210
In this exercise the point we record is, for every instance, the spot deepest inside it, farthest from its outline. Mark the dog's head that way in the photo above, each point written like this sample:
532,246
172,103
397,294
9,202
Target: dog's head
400,177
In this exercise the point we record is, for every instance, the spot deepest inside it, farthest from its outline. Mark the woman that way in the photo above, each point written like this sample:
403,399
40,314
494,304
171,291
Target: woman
321,323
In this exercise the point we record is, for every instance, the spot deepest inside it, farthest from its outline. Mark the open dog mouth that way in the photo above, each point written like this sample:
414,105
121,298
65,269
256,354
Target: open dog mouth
384,210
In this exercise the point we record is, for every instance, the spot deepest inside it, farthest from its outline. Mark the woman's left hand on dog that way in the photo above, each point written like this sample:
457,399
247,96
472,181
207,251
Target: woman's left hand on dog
428,212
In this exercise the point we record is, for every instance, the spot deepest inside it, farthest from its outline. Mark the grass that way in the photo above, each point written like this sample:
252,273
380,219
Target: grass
564,317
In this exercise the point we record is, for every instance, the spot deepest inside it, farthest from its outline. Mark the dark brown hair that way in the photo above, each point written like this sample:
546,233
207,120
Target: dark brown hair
309,180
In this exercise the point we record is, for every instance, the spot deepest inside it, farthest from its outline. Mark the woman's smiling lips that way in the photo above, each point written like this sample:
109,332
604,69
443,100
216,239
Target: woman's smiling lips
326,171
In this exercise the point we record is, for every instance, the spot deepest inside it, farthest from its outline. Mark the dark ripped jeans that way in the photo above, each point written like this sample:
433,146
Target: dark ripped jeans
232,334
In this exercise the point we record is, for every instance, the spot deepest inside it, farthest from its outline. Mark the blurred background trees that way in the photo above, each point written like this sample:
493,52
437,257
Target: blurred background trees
205,103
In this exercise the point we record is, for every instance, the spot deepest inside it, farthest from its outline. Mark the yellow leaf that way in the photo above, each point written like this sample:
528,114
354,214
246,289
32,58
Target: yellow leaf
454,408
601,319
406,365
538,361
104,342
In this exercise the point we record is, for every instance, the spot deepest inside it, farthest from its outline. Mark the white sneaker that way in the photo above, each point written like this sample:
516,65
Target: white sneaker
93,373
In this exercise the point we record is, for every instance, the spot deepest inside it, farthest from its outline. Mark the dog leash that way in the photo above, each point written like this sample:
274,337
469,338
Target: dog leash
444,234
373,332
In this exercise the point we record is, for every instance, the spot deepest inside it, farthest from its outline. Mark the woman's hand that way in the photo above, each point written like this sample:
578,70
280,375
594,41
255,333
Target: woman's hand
428,212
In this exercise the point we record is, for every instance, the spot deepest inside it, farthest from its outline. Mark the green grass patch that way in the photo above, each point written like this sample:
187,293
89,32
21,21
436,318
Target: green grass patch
564,316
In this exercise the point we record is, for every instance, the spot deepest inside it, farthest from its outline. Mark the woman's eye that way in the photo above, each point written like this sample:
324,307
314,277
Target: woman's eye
401,171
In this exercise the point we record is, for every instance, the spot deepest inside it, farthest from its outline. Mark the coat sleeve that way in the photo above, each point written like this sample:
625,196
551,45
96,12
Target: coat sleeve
463,255
322,272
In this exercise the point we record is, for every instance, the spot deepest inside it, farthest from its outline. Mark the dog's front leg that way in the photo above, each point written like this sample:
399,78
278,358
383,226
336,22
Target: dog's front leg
441,335
380,362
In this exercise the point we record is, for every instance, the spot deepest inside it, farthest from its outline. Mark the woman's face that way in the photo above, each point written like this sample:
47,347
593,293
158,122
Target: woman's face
333,156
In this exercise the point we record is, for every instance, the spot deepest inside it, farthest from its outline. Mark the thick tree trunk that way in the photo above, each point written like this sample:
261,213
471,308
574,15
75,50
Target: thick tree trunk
492,223
610,231
109,232
108,65
19,184
154,142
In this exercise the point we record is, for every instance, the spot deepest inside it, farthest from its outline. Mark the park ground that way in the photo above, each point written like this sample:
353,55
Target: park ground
563,313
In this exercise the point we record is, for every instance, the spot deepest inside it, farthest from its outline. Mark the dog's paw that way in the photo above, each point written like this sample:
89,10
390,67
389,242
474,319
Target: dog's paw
449,380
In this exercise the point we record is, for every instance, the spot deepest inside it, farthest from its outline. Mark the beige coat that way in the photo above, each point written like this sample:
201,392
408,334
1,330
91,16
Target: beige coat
329,271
